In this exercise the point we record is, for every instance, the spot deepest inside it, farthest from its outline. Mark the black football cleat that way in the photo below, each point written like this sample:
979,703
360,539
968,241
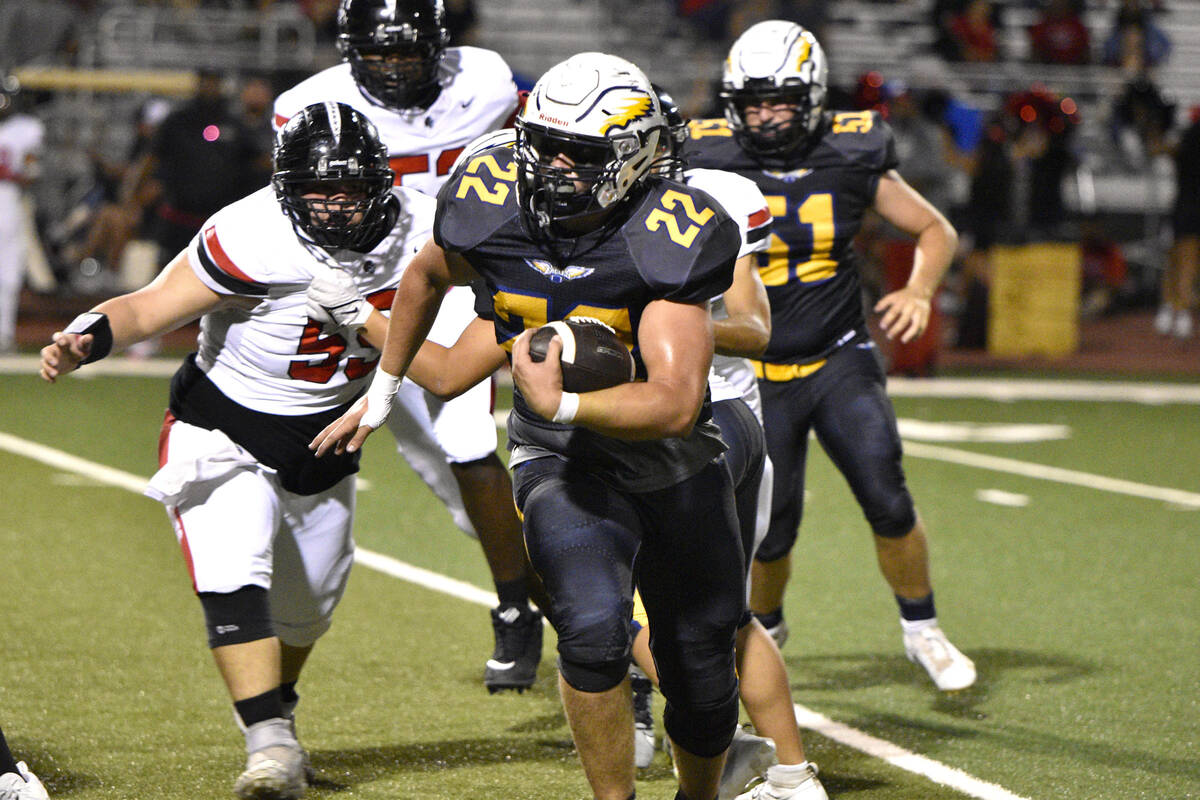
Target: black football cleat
518,652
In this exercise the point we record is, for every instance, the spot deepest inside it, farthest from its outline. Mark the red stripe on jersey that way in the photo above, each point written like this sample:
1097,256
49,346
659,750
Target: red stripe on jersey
187,551
280,119
221,258
164,434
760,218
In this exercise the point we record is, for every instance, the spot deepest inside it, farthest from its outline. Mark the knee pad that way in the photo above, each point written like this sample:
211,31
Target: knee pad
596,678
776,544
704,732
892,517
237,617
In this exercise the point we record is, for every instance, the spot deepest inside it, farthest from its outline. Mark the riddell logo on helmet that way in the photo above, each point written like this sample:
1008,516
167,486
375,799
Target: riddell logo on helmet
552,120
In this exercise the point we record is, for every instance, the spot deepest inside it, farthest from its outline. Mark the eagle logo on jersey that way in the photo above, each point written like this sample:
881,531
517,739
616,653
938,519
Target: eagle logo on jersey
788,175
635,109
556,274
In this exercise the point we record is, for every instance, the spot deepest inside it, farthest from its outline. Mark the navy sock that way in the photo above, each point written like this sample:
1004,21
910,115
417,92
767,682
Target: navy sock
7,762
267,705
771,619
916,608
515,592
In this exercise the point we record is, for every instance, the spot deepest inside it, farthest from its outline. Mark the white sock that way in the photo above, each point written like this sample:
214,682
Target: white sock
915,625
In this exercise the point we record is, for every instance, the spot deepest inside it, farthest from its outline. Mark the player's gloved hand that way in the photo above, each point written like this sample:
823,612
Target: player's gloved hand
333,299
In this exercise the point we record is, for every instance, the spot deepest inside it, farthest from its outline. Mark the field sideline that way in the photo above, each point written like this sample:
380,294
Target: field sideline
1086,634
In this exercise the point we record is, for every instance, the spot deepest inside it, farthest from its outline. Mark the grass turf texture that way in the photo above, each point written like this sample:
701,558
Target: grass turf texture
1079,609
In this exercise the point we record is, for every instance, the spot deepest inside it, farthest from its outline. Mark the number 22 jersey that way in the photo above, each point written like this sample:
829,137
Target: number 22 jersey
673,242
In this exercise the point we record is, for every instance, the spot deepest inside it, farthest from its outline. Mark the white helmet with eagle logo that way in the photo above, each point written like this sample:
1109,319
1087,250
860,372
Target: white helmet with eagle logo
775,62
587,136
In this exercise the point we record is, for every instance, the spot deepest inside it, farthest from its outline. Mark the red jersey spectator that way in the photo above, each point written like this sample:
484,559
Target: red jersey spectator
1060,37
974,33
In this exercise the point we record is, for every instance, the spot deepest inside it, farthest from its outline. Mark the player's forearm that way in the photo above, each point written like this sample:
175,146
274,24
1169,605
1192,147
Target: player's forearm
934,252
641,410
413,311
741,335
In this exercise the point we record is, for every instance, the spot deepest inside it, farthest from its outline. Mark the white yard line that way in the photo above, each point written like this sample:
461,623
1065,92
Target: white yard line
1055,474
839,732
1002,389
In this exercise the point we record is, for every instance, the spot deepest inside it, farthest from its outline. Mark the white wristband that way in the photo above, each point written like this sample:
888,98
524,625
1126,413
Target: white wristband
568,407
380,395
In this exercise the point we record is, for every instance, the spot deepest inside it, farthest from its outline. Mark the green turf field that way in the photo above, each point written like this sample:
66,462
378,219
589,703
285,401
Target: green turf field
1077,597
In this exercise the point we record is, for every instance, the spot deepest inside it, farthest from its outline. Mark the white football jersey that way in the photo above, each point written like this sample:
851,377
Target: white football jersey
20,139
478,95
744,202
271,357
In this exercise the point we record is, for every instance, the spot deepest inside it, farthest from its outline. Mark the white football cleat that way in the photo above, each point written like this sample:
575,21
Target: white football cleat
749,757
643,718
945,663
789,783
1182,329
22,785
779,633
275,765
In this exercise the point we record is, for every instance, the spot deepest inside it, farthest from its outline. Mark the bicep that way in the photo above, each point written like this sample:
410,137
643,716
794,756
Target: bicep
177,296
676,344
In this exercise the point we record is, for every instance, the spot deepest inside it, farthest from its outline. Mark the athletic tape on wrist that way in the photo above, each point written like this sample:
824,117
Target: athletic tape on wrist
568,407
380,396
97,325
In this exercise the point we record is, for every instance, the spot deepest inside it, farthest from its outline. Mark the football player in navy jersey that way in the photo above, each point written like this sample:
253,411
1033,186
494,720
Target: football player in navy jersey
821,172
620,486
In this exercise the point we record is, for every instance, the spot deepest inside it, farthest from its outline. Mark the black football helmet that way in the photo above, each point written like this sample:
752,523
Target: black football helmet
669,162
330,146
394,48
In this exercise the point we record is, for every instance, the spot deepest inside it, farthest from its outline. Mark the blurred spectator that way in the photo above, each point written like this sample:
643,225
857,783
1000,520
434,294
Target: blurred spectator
204,158
256,108
125,198
1045,125
1141,119
462,20
323,14
1178,288
1104,270
967,30
1135,43
21,137
1059,36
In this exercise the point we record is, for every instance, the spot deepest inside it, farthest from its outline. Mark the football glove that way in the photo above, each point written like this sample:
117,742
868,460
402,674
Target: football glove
334,300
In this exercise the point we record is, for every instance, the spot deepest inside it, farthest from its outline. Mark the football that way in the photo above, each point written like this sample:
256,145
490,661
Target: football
593,357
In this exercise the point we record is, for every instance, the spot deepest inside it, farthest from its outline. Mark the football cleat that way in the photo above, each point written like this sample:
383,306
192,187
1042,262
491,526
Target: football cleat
22,785
788,783
518,651
1164,319
275,764
945,663
643,717
749,757
1182,329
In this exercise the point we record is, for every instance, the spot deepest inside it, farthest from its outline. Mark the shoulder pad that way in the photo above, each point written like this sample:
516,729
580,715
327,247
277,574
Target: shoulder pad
477,200
862,137
683,242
